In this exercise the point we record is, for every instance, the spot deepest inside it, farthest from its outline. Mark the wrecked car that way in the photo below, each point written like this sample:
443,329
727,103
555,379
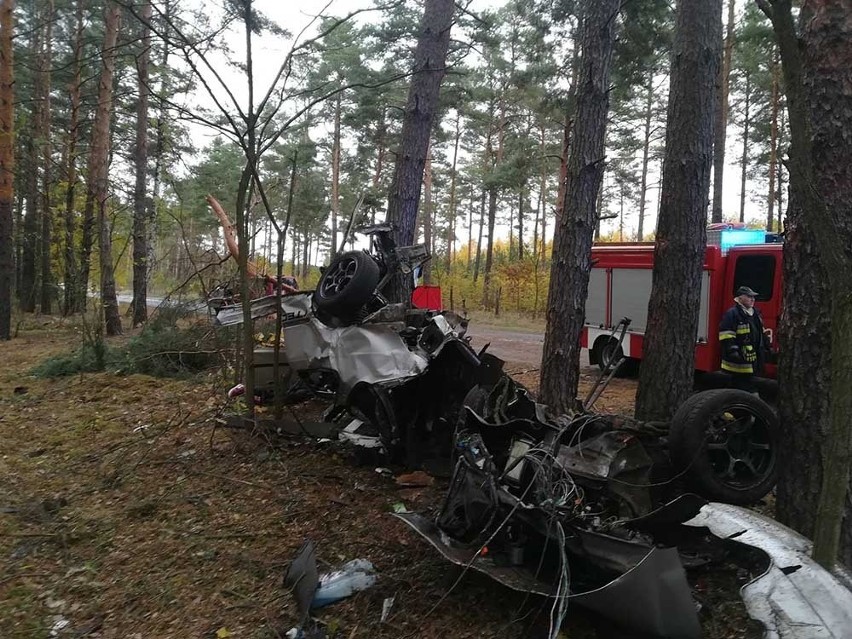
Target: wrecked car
597,510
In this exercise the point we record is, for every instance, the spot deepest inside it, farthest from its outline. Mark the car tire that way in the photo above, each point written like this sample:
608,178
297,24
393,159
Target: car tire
725,443
346,285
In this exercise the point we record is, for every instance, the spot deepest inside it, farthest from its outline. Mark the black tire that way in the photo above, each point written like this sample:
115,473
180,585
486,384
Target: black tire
726,443
347,285
609,349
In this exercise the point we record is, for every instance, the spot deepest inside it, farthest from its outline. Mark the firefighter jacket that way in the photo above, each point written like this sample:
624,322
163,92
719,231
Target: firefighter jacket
742,340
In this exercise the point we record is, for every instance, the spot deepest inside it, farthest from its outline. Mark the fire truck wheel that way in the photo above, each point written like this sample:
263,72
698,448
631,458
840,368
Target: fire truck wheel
347,284
608,350
725,442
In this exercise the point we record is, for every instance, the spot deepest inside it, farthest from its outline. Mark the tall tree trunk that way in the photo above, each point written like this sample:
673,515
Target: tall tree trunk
541,204
563,172
17,229
646,155
721,116
521,195
160,139
335,173
47,287
306,255
816,406
666,374
773,140
430,59
478,259
487,302
572,243
451,223
470,231
28,292
7,167
427,216
141,201
744,160
97,191
71,285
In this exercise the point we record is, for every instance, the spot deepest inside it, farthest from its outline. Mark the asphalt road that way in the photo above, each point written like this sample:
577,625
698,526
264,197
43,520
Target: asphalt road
518,347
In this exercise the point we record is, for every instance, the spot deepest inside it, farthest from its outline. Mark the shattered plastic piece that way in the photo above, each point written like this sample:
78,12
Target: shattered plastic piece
399,507
387,604
353,576
350,434
807,603
417,479
384,471
302,577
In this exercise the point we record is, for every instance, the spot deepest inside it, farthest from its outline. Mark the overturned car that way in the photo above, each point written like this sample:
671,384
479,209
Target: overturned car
599,510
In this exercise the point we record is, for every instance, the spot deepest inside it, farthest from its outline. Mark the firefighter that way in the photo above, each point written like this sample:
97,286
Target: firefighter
742,337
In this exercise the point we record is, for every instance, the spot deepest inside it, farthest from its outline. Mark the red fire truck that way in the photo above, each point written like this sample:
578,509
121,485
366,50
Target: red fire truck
620,286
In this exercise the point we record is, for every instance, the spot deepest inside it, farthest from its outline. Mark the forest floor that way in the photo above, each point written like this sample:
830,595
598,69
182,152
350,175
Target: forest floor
126,513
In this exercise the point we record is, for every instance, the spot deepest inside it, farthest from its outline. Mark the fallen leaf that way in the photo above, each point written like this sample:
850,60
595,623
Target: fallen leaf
416,479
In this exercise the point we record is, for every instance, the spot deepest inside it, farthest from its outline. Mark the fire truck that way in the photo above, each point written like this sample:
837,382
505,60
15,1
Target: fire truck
620,287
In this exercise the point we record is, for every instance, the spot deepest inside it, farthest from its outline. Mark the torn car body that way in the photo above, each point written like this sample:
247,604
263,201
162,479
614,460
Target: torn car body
586,509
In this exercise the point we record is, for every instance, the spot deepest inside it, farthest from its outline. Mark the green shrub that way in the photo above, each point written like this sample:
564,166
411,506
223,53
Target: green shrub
173,343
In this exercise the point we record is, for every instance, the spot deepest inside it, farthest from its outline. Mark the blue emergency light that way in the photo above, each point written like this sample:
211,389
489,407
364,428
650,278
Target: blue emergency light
739,237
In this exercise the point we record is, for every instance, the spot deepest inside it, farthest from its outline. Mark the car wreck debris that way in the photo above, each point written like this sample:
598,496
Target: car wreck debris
313,591
585,509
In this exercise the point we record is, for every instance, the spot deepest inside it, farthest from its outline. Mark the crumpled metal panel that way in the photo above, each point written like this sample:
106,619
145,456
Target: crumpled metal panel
370,353
795,598
294,308
652,597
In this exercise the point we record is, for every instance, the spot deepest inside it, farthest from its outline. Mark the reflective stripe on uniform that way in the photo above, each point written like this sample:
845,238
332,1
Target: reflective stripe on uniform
733,367
727,335
743,329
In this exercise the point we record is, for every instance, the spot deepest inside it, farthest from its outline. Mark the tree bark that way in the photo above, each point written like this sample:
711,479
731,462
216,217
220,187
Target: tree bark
816,406
427,216
46,59
521,196
487,301
646,155
478,259
28,292
571,262
744,160
141,201
430,58
97,191
721,115
335,173
451,223
71,286
667,369
773,142
7,167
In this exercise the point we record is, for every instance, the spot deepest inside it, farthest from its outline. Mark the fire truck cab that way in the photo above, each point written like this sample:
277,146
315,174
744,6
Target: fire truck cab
620,286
